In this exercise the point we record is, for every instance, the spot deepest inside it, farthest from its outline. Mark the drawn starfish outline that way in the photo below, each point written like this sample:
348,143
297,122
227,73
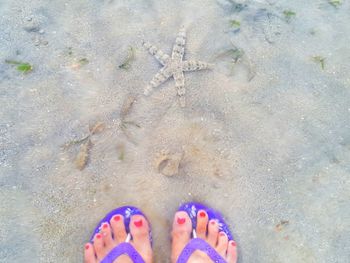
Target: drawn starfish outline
173,66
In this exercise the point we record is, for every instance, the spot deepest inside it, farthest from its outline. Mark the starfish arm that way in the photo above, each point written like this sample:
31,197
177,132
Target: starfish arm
157,53
180,87
179,47
160,77
195,65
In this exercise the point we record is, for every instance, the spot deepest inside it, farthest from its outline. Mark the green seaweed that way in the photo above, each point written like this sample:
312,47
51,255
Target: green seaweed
335,3
320,60
21,66
25,67
289,14
235,23
126,64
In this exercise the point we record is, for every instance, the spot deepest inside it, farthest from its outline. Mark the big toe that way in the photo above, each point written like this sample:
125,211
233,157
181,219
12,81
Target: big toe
140,232
181,234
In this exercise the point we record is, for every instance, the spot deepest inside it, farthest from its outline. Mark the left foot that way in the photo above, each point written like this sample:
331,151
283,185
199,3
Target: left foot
113,233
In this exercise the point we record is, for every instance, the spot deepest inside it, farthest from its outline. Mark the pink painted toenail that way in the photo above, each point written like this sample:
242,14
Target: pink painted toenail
116,218
180,220
233,243
98,236
138,223
212,222
222,234
202,214
87,246
105,226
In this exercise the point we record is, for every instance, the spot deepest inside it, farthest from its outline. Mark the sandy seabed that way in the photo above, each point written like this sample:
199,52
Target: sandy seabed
264,137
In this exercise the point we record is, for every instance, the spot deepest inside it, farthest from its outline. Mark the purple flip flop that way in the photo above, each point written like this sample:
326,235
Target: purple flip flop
124,248
192,209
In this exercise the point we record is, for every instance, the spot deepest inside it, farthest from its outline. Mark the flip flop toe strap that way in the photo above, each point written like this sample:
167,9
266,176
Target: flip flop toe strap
123,249
199,244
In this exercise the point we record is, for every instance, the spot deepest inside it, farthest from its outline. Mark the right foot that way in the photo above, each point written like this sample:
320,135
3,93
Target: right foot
206,230
113,233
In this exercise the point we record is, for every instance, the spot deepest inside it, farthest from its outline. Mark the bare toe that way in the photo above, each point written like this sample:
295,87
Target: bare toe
139,230
213,231
202,222
107,236
113,233
221,248
118,228
231,256
99,246
181,234
89,254
207,230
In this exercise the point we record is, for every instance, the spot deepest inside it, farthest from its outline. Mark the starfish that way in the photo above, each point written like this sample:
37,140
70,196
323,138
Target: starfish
173,66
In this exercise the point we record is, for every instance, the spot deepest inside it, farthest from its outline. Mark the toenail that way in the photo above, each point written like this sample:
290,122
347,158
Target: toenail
180,220
98,236
138,223
202,214
233,243
116,218
213,222
105,226
87,246
222,234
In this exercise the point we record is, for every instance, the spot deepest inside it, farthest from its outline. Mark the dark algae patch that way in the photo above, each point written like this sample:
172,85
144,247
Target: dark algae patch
85,143
124,112
126,64
20,66
83,61
281,225
83,156
237,7
236,54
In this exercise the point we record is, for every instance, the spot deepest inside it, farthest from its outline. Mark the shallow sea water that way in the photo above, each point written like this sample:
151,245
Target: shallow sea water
265,140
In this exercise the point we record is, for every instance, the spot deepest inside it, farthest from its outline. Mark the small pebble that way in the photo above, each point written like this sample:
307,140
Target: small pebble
32,28
41,31
45,42
29,19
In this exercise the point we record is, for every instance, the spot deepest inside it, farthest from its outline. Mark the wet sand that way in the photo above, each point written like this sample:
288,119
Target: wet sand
264,137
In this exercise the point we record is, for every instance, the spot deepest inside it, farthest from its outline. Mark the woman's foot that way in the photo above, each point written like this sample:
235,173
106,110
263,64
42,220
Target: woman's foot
207,230
113,233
